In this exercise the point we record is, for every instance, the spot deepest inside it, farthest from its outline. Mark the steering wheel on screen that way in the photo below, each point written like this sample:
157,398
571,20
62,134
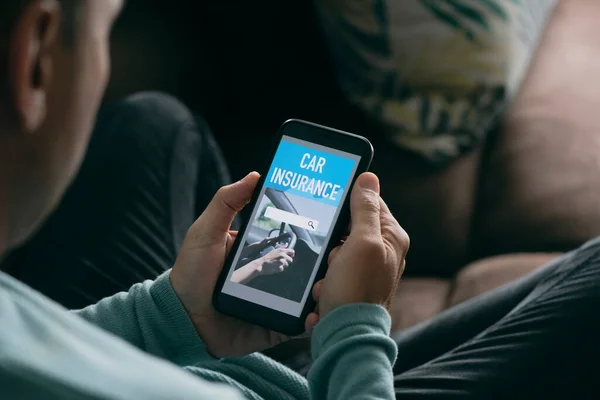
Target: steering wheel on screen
287,238
268,245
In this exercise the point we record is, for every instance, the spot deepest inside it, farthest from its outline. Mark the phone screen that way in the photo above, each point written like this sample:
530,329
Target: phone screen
291,225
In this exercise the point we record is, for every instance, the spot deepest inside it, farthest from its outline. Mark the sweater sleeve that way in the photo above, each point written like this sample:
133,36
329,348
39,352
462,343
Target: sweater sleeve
151,317
48,353
353,355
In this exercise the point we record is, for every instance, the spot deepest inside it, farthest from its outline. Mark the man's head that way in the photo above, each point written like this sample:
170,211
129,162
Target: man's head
54,66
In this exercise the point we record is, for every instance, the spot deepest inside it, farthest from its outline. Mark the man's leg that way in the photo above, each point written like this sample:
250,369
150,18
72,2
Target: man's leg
150,169
535,338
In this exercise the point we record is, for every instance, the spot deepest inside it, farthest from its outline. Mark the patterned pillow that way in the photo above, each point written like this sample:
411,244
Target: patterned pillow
435,74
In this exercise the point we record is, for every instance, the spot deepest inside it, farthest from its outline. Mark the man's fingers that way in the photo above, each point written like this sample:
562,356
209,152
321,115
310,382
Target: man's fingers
365,207
224,206
397,241
230,240
311,321
332,254
316,292
392,232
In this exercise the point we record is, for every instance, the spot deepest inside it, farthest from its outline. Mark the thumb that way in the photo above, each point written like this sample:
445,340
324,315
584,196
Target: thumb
227,202
365,207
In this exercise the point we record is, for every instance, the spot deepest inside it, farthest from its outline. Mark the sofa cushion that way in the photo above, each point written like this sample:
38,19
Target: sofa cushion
540,184
488,274
418,300
435,75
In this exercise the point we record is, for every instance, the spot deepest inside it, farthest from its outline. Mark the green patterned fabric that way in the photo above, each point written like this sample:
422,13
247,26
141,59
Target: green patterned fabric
435,74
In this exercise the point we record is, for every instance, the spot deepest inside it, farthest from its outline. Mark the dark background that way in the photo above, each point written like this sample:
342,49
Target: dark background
244,66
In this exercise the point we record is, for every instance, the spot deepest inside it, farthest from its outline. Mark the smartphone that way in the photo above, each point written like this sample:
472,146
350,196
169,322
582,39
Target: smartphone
300,210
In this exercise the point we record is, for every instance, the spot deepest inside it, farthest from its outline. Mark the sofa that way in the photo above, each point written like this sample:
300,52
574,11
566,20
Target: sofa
528,193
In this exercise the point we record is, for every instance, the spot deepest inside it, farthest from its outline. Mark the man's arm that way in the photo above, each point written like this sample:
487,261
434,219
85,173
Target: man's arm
353,355
151,317
48,353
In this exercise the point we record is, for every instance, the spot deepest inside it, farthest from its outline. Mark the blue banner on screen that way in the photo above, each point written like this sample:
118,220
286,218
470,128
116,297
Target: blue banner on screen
310,173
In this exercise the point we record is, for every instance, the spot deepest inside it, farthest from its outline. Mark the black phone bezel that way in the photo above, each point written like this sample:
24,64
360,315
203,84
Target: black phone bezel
264,316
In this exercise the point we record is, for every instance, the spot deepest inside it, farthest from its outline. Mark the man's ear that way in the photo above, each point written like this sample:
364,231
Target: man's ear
30,62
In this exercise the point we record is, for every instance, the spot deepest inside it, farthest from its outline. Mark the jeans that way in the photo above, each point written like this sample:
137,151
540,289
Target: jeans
537,337
151,169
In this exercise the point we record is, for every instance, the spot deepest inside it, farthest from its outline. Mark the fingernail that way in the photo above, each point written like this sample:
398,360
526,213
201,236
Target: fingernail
369,181
244,179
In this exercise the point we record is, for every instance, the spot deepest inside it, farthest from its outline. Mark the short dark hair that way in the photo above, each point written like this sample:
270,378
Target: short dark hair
10,10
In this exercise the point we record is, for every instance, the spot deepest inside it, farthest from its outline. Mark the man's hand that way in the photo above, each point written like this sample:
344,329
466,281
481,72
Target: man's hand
198,266
367,267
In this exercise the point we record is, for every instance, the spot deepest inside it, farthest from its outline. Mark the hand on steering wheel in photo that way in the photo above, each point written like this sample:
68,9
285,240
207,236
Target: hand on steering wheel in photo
254,250
275,261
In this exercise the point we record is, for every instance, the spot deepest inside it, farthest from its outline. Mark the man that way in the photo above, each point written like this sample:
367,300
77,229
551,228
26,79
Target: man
533,339
55,67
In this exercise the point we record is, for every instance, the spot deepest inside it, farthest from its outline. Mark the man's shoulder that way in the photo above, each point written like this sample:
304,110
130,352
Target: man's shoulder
50,353
18,301
27,351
